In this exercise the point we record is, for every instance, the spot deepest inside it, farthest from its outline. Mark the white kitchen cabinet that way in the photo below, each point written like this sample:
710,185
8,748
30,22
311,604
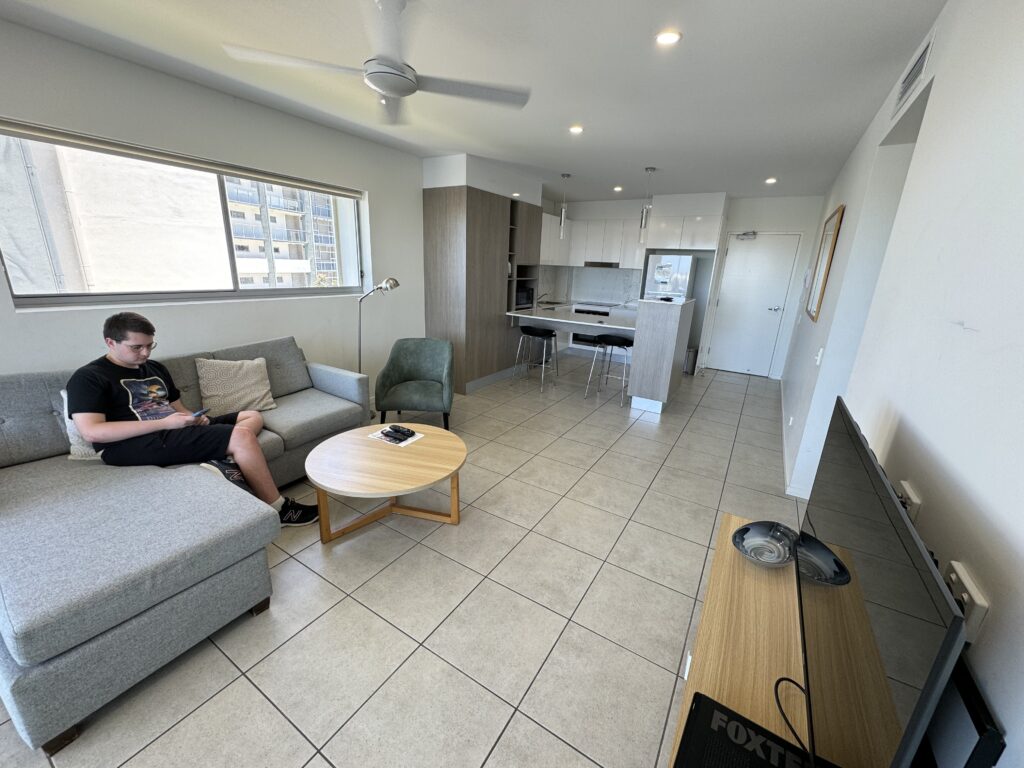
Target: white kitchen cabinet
549,242
595,240
611,252
664,231
700,232
631,255
578,243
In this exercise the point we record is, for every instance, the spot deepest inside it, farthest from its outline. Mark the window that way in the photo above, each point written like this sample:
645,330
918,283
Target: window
79,225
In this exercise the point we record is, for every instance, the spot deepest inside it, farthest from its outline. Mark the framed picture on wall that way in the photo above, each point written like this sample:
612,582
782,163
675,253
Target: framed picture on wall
827,247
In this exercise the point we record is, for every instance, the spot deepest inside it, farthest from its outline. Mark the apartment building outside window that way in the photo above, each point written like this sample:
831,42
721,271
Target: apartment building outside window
85,226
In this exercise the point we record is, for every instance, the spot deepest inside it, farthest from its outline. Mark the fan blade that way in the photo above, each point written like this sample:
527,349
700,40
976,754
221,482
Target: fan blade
391,111
256,56
383,28
512,97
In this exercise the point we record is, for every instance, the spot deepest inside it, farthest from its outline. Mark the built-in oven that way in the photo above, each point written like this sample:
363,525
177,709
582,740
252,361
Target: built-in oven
524,297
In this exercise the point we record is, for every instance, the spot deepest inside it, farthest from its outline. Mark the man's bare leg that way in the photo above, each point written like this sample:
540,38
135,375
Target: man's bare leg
245,450
251,420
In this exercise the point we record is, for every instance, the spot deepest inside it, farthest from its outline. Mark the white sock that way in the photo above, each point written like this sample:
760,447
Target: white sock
277,503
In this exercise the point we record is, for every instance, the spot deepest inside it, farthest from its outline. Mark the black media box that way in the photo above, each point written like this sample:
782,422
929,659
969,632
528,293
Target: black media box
717,737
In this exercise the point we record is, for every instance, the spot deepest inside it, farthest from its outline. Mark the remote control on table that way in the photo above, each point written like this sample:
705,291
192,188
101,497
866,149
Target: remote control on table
402,430
397,437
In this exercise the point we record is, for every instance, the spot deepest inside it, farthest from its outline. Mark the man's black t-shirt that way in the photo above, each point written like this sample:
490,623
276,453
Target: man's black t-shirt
122,394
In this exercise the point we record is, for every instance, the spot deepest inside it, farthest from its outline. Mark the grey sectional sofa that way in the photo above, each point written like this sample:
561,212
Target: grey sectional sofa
108,573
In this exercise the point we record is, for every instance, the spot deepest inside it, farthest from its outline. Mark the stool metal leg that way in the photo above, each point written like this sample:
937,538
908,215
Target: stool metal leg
519,351
622,394
543,363
597,351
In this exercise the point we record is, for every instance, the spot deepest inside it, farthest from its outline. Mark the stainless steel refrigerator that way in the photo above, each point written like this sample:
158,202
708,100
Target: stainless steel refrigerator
668,275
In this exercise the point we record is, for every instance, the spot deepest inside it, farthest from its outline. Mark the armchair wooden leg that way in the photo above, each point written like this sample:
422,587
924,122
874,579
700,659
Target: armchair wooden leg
383,416
445,416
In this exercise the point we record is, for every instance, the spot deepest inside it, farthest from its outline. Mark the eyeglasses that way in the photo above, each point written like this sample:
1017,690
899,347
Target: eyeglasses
139,347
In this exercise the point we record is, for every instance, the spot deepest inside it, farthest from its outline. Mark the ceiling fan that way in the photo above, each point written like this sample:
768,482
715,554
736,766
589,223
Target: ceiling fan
386,72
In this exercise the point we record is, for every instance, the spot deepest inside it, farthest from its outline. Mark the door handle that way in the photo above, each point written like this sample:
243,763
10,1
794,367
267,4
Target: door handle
776,308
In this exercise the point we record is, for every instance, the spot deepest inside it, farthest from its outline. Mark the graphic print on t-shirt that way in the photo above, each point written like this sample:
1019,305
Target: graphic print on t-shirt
148,398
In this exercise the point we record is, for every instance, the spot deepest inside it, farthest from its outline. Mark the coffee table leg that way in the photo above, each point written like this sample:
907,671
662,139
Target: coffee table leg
323,507
455,499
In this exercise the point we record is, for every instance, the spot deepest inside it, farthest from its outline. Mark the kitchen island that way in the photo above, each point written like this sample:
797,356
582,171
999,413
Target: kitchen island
660,331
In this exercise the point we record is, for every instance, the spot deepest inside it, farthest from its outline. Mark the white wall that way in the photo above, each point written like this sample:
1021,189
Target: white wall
52,82
936,385
779,215
481,173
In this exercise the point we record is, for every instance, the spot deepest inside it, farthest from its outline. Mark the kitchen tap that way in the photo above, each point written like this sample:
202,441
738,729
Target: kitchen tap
541,297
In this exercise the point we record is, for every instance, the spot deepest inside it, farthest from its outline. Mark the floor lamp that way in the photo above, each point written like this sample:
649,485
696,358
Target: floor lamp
388,284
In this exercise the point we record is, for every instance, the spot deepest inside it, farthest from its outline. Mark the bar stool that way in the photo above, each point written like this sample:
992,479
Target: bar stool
608,343
529,333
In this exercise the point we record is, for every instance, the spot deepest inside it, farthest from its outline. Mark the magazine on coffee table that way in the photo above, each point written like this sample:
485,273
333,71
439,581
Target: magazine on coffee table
379,435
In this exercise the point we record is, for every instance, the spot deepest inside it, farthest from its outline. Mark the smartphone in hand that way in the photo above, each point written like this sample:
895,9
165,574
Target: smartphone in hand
200,412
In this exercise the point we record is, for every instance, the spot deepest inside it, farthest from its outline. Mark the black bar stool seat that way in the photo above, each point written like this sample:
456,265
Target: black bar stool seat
606,343
544,335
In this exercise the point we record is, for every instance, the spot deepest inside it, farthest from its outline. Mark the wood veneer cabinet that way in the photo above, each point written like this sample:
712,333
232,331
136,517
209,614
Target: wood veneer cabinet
467,266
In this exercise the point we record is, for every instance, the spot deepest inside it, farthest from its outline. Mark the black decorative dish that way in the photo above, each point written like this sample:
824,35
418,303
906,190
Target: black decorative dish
766,543
817,562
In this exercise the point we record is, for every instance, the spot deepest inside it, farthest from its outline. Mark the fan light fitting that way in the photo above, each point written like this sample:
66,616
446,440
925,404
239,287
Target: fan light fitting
645,212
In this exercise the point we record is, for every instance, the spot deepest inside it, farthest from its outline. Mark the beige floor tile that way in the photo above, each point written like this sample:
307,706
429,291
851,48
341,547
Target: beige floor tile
550,424
691,635
294,539
641,448
699,489
760,439
498,638
14,753
525,743
511,412
430,709
549,474
137,717
713,414
236,727
548,572
582,527
418,590
574,453
525,439
669,560
602,699
758,478
517,502
499,458
705,444
697,426
628,468
676,516
300,595
771,426
485,426
591,435
321,676
637,613
761,457
607,493
274,556
698,462
659,433
756,505
472,441
668,739
479,541
474,482
349,561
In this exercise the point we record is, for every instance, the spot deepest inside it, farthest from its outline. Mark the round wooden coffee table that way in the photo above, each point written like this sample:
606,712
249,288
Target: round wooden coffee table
353,464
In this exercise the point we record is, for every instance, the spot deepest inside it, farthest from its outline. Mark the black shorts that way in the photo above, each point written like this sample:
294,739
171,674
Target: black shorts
188,445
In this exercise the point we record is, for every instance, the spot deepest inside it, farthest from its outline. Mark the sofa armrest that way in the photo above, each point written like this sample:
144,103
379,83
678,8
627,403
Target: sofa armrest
347,385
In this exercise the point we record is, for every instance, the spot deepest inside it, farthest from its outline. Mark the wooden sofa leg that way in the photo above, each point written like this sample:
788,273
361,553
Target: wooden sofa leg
383,416
57,743
260,607
445,420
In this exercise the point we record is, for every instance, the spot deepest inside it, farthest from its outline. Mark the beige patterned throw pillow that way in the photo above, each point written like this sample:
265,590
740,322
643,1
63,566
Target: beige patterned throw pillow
234,385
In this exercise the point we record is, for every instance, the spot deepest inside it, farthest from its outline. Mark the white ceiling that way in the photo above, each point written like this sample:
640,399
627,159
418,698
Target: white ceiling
756,88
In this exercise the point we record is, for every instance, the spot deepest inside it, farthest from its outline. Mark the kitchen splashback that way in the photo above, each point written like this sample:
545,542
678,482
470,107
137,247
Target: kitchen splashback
595,284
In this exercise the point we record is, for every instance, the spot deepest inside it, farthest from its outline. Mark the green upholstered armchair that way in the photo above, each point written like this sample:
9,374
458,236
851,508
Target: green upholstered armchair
417,377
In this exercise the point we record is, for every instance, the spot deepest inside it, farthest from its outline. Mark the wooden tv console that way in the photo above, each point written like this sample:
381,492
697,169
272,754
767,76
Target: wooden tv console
749,636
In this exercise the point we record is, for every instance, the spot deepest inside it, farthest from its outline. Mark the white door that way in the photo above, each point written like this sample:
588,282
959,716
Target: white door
751,301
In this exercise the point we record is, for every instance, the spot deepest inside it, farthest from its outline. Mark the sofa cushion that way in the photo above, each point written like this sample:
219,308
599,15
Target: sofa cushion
32,417
186,378
271,444
286,365
413,396
234,385
311,415
88,546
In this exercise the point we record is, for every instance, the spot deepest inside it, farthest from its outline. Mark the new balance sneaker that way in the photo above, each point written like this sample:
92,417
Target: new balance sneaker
293,514
229,470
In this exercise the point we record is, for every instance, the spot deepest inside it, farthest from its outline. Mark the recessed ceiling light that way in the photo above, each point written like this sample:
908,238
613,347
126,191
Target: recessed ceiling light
616,189
770,180
383,101
575,130
668,37
515,194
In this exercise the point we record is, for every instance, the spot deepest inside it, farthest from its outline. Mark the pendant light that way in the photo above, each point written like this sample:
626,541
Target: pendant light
561,215
645,212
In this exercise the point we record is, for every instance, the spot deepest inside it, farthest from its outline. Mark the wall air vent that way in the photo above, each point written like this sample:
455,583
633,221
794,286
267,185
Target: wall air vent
912,77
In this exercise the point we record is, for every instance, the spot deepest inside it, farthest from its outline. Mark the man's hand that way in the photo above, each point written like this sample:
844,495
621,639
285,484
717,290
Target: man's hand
203,421
178,420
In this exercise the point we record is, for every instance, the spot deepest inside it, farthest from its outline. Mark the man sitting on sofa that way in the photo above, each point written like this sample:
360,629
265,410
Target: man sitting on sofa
127,406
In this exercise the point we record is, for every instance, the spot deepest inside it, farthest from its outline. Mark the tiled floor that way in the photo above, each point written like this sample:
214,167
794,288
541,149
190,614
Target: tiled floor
547,629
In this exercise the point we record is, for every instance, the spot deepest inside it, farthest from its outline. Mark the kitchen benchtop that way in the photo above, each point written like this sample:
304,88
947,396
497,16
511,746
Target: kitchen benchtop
618,319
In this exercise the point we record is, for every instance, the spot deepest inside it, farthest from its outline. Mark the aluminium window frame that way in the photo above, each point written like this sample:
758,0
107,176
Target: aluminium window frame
37,132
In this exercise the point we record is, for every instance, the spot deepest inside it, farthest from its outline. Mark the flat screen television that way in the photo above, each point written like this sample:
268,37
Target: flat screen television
916,629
